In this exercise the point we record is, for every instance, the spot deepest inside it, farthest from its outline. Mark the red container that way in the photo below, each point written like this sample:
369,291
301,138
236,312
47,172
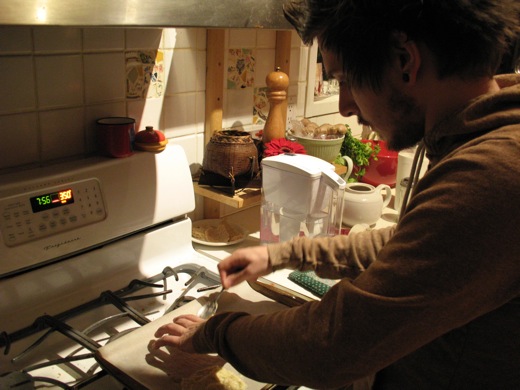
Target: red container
384,169
115,136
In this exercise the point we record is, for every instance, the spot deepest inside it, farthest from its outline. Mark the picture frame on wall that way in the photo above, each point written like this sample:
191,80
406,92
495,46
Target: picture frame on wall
322,94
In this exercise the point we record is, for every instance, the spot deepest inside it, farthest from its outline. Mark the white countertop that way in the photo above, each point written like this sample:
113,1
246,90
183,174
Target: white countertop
249,219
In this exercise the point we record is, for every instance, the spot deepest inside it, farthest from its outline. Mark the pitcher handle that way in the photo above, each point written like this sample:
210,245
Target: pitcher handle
350,166
388,193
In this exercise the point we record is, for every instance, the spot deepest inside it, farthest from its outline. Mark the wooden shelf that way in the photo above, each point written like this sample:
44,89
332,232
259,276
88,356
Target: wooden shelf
245,198
215,71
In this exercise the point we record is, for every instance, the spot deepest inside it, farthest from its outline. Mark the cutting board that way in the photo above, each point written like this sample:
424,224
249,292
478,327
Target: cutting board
131,360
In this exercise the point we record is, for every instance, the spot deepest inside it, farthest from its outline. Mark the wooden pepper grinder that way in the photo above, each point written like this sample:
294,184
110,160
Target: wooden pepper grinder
277,84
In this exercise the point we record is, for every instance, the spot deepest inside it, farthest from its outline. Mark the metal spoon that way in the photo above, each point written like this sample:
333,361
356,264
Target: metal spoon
210,307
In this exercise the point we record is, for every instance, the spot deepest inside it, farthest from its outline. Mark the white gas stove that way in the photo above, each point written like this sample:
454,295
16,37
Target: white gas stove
90,251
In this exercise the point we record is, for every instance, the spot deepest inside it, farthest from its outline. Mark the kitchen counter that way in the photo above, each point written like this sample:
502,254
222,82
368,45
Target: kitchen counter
249,219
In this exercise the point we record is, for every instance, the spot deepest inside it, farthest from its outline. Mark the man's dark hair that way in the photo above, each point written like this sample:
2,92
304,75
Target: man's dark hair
467,37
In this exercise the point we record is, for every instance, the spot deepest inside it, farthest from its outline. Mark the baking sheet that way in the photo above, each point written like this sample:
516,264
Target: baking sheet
131,361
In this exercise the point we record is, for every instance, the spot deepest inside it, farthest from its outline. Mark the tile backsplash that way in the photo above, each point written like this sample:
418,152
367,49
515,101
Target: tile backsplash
56,81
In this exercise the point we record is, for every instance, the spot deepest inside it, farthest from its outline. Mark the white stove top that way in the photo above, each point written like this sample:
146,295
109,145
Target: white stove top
54,291
129,223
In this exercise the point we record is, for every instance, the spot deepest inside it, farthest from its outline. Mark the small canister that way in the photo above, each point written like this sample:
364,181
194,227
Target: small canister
150,140
115,136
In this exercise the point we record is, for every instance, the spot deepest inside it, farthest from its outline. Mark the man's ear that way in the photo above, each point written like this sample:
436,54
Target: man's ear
408,56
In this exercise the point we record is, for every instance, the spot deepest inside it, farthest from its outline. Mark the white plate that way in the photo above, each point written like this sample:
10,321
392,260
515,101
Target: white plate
215,222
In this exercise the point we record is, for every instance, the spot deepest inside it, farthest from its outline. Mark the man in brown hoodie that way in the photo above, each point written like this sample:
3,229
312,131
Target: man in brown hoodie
433,302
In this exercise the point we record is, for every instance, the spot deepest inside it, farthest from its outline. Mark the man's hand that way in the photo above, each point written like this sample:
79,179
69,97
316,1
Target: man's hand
244,264
178,333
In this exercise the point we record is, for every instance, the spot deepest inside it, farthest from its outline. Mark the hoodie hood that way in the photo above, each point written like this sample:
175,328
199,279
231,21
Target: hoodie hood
482,115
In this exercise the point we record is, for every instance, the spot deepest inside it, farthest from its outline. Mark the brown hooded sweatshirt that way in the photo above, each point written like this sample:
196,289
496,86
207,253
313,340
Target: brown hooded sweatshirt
432,303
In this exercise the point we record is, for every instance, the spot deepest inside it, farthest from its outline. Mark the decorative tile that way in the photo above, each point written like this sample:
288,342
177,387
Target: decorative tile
261,106
144,74
241,68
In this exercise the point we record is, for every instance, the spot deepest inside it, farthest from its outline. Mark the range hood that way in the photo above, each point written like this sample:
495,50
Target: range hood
266,14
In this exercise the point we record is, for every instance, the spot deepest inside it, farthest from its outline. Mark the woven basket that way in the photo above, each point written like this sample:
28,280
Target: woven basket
231,153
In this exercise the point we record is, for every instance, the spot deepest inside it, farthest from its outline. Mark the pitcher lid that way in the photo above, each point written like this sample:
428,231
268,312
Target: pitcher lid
301,164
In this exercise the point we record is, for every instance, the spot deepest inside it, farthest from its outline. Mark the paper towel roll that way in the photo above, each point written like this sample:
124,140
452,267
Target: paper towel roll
404,166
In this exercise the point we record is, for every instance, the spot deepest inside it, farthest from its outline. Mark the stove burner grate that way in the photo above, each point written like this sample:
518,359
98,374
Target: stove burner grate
85,340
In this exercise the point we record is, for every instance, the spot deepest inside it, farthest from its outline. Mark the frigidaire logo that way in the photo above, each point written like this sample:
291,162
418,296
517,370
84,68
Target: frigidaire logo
56,246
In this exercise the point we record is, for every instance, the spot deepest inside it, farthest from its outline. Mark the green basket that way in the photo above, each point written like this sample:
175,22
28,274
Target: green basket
326,149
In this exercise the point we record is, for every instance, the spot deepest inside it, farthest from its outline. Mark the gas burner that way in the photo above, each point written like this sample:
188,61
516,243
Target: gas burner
18,380
116,313
25,381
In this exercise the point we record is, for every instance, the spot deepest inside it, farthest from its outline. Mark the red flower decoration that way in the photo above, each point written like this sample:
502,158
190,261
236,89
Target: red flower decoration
281,145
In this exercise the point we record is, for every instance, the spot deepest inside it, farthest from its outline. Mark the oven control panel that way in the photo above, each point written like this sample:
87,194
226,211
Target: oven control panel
50,212
47,211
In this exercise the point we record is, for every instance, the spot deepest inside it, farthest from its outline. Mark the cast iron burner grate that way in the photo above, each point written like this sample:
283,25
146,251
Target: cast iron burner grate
121,300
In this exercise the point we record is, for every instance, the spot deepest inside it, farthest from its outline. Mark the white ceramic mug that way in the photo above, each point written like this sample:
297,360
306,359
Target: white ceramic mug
404,166
364,203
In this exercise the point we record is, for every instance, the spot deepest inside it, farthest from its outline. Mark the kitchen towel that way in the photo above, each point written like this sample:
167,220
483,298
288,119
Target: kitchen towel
312,282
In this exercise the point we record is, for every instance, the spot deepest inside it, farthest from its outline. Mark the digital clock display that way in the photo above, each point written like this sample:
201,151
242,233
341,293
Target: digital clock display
52,200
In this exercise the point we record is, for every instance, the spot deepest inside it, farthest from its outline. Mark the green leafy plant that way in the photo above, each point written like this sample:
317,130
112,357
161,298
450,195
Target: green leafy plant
359,152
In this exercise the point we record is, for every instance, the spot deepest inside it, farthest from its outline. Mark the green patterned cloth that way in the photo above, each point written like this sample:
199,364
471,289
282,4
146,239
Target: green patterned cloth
311,282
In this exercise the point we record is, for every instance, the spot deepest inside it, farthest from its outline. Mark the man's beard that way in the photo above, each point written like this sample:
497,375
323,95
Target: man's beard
407,122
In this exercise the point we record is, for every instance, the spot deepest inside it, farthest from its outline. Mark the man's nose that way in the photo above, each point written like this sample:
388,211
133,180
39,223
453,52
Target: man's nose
347,105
